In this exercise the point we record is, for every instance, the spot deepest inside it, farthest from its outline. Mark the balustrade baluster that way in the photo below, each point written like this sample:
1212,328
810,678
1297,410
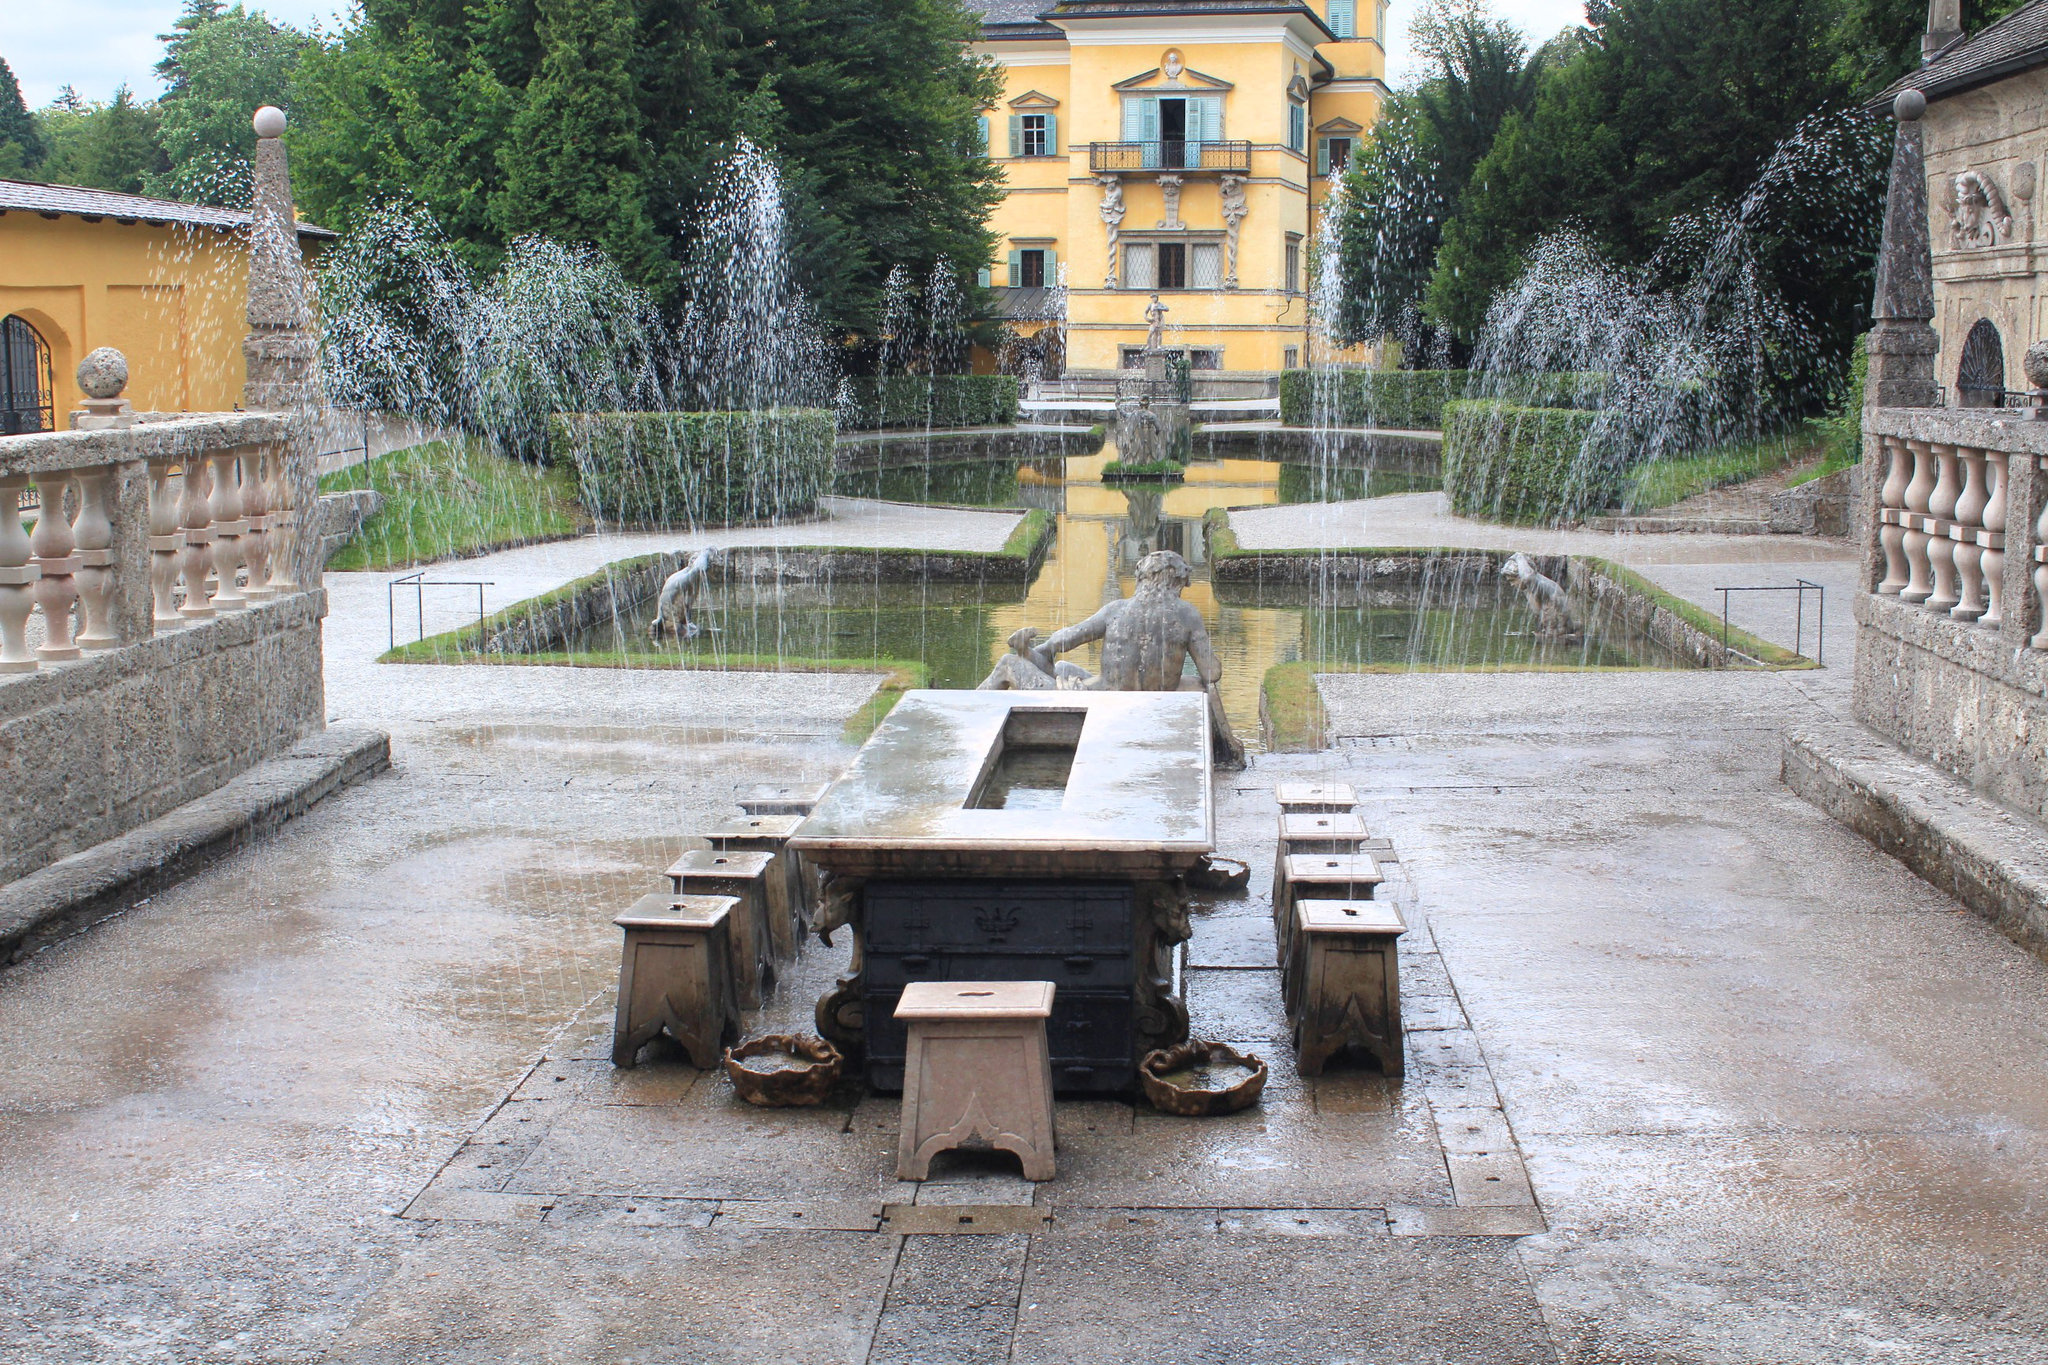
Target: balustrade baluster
1964,549
227,531
94,531
1892,532
2040,553
56,589
256,513
17,579
1941,510
196,559
284,524
166,544
1919,583
1992,538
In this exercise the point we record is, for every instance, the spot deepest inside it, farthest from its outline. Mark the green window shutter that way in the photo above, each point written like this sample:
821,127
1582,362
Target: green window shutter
1148,120
1016,267
1052,134
1133,129
984,277
981,131
1052,267
1343,18
1016,135
1322,156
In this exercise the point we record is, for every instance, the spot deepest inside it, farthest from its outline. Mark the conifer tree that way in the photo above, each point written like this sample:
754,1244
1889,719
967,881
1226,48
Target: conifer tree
573,161
21,146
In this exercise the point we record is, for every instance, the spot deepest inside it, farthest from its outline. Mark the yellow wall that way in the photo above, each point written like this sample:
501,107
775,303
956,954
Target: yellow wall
170,298
1055,201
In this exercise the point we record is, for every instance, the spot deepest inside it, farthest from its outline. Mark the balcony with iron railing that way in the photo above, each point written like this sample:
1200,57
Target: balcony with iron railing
1138,158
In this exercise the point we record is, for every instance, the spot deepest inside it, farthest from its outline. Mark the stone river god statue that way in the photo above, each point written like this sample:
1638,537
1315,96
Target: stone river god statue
1147,639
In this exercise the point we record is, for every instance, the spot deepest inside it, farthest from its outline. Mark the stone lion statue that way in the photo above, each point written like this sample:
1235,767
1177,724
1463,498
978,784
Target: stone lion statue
1555,619
1147,639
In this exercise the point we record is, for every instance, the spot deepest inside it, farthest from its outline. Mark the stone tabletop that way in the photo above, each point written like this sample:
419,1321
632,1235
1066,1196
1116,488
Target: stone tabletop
664,909
1139,783
976,1000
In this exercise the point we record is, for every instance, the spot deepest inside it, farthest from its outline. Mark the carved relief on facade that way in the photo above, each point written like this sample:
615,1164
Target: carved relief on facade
1112,211
1234,210
1978,216
1169,193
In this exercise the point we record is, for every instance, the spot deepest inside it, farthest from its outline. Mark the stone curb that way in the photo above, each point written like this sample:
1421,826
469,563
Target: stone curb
76,892
1960,842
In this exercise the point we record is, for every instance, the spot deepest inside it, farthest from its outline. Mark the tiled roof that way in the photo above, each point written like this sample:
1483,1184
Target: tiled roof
1027,305
1021,18
29,197
1014,18
2014,43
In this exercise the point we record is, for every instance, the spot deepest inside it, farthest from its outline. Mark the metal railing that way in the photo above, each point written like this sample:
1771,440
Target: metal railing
1170,156
419,584
1800,586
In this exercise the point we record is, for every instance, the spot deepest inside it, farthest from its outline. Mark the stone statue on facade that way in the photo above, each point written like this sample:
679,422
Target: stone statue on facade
1112,211
1234,210
1147,641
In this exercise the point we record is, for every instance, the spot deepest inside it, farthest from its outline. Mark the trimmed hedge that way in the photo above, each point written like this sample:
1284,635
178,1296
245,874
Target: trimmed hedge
1413,400
941,401
1510,463
697,468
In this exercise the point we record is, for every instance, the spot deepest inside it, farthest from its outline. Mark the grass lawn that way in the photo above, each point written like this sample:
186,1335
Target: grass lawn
446,499
1664,482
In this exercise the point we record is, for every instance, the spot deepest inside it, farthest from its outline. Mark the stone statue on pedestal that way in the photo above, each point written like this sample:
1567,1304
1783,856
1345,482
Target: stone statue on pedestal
1147,639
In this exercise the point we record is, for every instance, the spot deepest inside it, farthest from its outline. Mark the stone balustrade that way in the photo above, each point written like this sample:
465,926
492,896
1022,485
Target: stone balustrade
1942,527
146,528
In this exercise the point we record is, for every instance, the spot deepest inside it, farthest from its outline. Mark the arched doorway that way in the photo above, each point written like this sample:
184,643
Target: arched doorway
25,391
1980,378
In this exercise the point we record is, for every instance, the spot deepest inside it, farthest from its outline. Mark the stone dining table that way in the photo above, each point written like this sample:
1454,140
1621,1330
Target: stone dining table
1018,836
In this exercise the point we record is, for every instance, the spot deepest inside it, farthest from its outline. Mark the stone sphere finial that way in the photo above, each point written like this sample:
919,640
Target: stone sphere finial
269,121
1910,105
2035,364
104,373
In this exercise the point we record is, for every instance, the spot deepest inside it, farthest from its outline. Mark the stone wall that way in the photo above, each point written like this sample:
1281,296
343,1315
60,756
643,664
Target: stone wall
1989,262
96,747
1969,697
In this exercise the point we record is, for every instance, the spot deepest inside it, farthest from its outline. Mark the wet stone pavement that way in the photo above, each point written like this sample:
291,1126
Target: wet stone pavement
1695,1075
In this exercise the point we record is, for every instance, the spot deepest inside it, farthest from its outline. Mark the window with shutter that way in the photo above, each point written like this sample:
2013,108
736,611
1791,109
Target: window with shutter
1034,140
1344,18
981,134
1016,267
1052,135
1297,128
1016,135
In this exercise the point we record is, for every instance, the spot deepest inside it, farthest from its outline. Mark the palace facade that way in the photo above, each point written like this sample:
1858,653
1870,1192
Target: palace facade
1176,147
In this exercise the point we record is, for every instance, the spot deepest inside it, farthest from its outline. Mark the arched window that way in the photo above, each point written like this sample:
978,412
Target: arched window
25,403
1980,378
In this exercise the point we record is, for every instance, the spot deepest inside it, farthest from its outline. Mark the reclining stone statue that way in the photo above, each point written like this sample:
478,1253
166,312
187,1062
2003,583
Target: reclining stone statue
683,590
1555,619
1146,638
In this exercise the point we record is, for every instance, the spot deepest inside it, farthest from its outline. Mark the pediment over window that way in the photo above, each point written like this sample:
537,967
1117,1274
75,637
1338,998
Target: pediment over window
1157,79
1340,125
1034,99
1298,87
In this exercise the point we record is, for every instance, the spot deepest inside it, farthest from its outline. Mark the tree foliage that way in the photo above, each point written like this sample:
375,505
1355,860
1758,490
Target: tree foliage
219,67
21,145
111,146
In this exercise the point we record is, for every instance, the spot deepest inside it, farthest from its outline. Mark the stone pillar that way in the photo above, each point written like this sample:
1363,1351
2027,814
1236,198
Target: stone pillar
1944,26
1902,343
2020,612
130,611
279,347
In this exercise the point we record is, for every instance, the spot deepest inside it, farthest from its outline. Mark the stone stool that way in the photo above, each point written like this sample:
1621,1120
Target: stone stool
1312,832
676,975
799,799
1348,982
707,872
788,909
976,1070
1314,796
1317,876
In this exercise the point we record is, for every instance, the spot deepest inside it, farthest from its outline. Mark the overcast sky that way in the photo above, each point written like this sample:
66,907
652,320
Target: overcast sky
96,45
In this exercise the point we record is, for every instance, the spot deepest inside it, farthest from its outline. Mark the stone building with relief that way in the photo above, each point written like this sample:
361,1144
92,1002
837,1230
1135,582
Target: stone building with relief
1986,131
1176,147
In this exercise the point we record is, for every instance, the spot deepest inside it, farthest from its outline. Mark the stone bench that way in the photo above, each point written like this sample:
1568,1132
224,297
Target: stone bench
977,1072
744,876
1311,832
675,977
789,909
1345,980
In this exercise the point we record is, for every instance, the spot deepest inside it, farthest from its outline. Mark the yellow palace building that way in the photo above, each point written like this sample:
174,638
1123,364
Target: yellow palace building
1177,147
